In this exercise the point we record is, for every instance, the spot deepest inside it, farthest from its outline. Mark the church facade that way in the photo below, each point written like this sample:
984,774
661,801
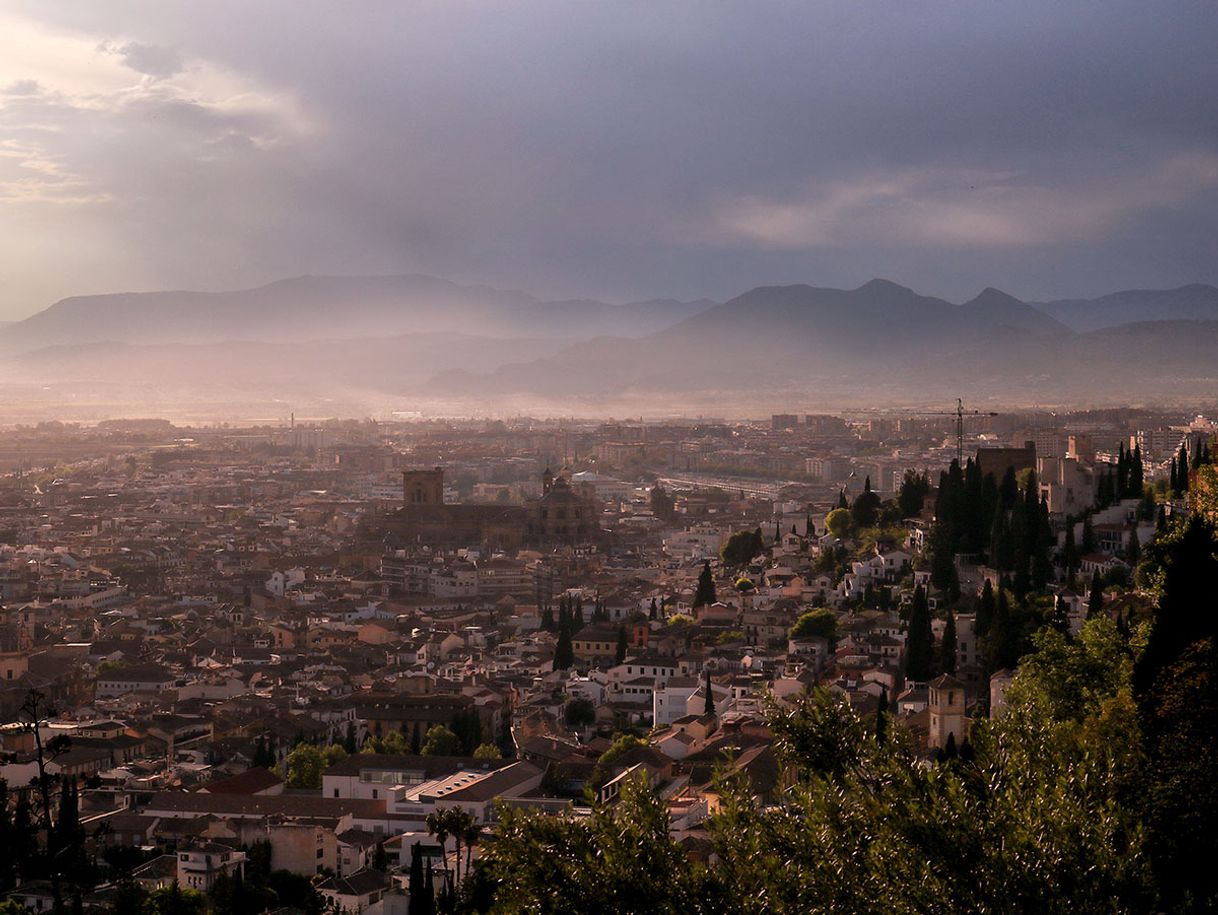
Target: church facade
559,517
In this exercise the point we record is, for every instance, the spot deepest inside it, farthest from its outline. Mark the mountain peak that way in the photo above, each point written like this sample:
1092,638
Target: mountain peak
880,285
989,297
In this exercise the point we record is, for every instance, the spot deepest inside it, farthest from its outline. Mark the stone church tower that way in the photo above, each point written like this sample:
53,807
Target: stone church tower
946,711
423,487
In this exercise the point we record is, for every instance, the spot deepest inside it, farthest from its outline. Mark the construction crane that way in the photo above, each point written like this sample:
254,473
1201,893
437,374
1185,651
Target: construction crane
959,413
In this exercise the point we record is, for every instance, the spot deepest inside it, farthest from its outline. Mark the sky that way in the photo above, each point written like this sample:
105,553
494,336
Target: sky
620,150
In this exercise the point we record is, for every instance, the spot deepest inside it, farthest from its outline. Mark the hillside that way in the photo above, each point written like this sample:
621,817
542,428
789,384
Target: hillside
1195,302
327,308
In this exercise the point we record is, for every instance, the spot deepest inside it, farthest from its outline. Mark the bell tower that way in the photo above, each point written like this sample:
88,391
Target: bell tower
947,711
423,487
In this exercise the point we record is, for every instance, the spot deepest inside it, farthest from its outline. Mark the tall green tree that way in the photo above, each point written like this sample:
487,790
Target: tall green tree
1003,642
915,487
1175,686
985,610
943,574
920,640
1088,543
564,652
705,592
866,508
742,547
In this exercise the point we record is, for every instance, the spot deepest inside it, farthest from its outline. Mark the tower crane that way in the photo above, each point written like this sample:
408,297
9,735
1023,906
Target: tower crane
959,413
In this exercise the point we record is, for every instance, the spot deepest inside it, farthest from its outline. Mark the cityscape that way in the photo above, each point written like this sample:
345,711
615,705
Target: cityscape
559,458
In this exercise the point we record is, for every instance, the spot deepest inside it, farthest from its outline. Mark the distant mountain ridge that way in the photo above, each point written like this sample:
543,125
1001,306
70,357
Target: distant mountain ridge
1194,302
332,307
881,341
416,338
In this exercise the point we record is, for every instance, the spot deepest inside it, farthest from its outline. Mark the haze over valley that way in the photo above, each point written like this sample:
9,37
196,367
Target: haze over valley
356,345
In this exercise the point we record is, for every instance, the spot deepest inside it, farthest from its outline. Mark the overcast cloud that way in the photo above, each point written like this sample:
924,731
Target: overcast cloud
614,149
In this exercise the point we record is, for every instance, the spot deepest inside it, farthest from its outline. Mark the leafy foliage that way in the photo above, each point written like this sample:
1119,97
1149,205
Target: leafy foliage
441,741
815,623
741,547
839,522
1038,812
621,859
306,762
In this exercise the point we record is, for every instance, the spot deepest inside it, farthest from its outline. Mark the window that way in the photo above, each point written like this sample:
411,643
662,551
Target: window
320,852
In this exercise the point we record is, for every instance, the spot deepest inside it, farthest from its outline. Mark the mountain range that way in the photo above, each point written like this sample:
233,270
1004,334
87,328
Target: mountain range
420,340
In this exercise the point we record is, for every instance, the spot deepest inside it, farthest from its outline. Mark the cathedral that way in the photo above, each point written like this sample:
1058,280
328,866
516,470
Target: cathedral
559,517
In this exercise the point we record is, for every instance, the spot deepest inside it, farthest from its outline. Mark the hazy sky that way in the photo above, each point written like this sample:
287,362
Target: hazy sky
612,149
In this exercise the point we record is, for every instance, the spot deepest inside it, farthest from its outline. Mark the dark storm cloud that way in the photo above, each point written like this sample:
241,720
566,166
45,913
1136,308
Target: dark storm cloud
638,149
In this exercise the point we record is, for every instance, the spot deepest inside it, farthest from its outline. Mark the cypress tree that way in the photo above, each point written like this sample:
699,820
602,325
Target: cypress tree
709,708
1133,549
1137,475
1031,505
947,652
1088,544
1002,643
1042,554
622,644
262,755
564,654
1183,468
1176,691
866,507
987,504
653,612
985,610
1008,489
1019,535
1103,490
942,556
705,594
920,642
973,526
1095,600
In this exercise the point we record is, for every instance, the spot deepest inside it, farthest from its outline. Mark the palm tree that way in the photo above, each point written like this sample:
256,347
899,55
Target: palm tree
471,834
455,815
437,825
461,824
